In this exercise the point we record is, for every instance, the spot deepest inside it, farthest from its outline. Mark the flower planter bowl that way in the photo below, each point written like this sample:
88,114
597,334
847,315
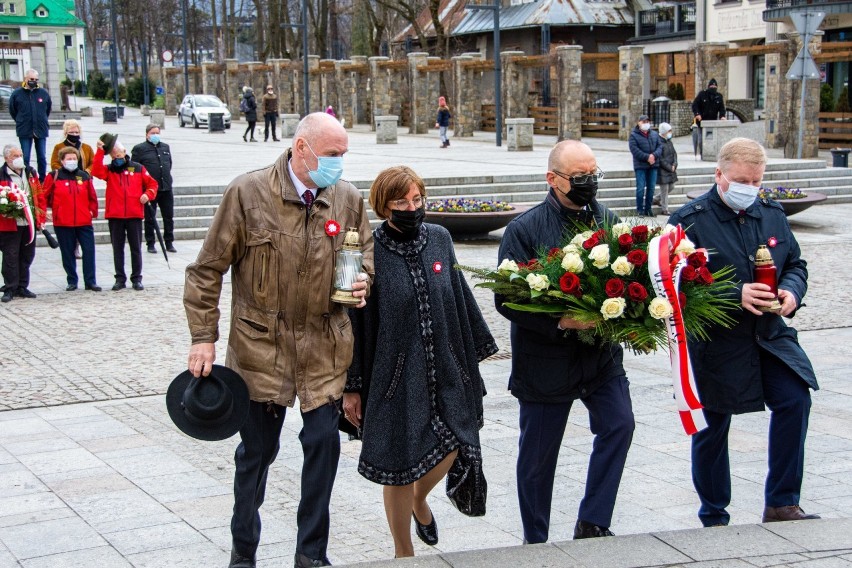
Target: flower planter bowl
791,206
473,225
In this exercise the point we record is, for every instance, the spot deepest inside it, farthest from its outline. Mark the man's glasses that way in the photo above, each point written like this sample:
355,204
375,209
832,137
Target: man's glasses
581,179
400,204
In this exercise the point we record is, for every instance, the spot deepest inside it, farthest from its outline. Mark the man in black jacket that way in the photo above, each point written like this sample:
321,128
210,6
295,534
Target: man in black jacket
29,106
708,105
551,367
156,156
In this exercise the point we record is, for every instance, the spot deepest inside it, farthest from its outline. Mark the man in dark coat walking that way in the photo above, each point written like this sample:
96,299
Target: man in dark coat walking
30,106
708,105
551,367
758,361
156,156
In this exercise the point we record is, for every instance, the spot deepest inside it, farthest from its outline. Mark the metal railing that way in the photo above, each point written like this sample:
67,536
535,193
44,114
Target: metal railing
772,4
667,20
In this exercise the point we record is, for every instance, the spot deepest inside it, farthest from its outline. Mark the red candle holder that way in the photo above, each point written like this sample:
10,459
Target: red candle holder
766,273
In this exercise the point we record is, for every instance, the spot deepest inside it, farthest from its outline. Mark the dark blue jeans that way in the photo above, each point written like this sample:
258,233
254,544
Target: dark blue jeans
646,181
542,428
789,400
68,237
41,157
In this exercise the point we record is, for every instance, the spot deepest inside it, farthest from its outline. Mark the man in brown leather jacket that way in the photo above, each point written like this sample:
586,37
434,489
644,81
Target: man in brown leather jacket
277,230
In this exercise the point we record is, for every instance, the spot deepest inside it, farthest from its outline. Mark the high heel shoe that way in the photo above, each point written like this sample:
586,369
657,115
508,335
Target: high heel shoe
426,533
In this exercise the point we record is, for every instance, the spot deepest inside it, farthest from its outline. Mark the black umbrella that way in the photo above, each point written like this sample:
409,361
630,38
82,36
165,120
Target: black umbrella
157,230
51,240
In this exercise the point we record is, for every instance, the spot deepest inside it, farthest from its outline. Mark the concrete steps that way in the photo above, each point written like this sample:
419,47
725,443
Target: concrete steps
195,205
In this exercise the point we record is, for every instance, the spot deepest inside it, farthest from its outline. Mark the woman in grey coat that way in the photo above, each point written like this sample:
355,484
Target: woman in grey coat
414,386
668,166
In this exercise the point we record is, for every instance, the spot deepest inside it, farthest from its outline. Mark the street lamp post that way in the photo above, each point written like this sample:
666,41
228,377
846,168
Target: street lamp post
185,62
113,56
305,80
498,95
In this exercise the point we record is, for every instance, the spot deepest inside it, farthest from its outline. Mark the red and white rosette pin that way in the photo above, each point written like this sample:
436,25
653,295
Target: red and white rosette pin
332,228
437,267
772,242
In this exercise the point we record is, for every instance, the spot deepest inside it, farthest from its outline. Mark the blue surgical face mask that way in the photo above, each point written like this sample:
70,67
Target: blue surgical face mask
154,139
739,196
118,162
329,169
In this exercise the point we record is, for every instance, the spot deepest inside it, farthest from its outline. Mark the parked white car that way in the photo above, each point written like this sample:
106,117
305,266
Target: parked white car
195,108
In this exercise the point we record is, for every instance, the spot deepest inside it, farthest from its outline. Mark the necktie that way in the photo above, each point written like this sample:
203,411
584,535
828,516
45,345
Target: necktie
308,198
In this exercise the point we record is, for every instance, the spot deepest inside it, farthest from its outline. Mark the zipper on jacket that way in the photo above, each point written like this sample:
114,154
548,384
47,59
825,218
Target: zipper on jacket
262,271
282,316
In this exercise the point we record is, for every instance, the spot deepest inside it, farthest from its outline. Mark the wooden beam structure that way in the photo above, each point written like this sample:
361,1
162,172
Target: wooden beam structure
750,50
597,57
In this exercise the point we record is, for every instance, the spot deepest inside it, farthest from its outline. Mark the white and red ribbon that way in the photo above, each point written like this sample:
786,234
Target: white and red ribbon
21,197
665,267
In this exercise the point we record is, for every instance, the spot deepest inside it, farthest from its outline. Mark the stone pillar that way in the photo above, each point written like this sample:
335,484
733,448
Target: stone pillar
232,87
208,78
329,94
289,122
776,107
569,74
519,134
380,83
631,78
279,70
195,79
418,83
360,108
466,115
158,117
314,84
514,86
810,141
386,129
709,65
172,97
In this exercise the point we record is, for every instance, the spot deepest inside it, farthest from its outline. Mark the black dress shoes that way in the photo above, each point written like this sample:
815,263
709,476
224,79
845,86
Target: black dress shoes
152,249
302,561
426,533
171,248
7,296
585,529
25,293
70,287
240,561
93,287
138,286
788,513
118,286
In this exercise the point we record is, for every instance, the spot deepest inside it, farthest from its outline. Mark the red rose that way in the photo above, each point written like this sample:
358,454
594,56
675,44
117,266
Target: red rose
637,257
614,287
570,284
636,292
705,276
12,197
697,259
682,298
640,233
624,242
600,234
689,273
591,242
554,253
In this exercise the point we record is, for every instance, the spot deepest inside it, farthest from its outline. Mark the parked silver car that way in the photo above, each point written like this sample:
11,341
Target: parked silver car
195,108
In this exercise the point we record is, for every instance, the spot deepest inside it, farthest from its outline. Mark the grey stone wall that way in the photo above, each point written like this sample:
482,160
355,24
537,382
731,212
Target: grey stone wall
742,108
680,117
631,73
419,93
570,82
709,65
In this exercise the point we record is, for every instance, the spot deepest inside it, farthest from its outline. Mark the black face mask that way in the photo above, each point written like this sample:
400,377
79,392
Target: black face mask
73,139
582,193
32,84
408,222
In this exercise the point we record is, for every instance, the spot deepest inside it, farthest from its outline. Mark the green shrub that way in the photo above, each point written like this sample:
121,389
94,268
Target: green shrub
826,98
122,93
676,92
159,102
136,91
842,101
98,85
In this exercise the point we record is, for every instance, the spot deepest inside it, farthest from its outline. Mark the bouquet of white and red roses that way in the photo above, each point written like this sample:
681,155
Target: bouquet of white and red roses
603,277
13,202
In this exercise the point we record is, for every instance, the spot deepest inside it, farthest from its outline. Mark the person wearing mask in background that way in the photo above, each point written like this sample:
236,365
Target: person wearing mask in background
70,194
758,363
156,156
129,187
73,132
18,251
552,367
30,106
668,166
442,123
248,106
646,147
708,105
270,113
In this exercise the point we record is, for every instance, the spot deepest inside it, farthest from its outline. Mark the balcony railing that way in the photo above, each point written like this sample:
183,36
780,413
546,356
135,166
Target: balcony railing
669,20
773,4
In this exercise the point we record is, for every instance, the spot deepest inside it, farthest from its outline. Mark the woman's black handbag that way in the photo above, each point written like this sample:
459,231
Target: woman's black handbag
466,486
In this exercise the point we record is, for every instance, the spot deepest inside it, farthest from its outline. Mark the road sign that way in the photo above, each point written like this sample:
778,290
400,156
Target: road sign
70,65
807,22
160,91
803,66
168,56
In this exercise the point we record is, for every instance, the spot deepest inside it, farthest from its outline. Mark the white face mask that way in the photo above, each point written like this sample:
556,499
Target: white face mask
739,196
70,165
669,136
645,126
18,163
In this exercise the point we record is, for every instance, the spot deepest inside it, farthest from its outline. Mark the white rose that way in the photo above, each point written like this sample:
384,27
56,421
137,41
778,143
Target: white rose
580,238
3,201
538,282
600,256
613,307
572,262
508,265
669,228
620,229
622,266
572,248
685,246
660,308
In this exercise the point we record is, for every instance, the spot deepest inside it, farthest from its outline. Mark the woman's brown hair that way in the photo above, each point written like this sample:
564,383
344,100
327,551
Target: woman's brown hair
391,184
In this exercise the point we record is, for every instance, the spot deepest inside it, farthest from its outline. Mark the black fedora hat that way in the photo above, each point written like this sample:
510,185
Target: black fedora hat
208,408
109,141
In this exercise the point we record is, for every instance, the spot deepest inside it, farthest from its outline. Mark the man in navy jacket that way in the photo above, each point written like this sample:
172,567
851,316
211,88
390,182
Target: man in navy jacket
551,367
759,360
30,105
647,149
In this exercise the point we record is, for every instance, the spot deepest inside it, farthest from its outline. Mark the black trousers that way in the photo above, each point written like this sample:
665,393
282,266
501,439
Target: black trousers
166,202
270,119
130,231
259,446
17,258
68,238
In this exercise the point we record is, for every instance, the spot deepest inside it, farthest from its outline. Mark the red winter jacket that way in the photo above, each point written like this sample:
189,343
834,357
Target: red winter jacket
9,225
72,197
124,188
